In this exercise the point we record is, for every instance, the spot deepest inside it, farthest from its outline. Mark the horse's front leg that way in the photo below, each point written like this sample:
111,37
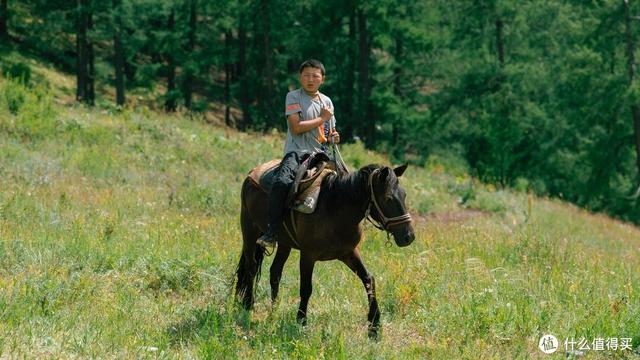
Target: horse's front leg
306,273
354,262
276,269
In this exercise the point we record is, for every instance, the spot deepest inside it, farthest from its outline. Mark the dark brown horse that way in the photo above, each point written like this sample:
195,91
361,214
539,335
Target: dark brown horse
332,232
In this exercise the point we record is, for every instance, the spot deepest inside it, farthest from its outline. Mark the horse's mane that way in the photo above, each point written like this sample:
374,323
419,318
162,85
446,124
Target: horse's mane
348,188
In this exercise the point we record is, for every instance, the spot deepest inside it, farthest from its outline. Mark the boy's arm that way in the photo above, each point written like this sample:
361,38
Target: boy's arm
299,126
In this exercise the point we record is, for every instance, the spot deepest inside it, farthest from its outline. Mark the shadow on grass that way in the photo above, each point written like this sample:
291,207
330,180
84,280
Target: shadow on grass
213,321
227,325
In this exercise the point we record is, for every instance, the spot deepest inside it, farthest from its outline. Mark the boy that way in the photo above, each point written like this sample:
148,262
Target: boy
311,125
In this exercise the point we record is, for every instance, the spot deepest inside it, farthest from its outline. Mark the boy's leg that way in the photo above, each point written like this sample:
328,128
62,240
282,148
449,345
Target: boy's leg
277,196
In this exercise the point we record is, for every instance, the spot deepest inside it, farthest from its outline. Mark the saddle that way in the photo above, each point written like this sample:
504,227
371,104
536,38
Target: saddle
304,193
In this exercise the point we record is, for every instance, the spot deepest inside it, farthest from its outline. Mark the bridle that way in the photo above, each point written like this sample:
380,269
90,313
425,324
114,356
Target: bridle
386,222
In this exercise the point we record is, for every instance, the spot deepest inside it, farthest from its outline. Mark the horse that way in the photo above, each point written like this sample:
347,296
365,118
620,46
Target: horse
332,231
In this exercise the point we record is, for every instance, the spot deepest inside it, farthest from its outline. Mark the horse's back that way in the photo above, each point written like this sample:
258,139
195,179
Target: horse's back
263,175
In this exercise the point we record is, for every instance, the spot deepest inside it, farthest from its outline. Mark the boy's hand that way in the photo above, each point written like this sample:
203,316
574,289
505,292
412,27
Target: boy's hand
334,137
325,114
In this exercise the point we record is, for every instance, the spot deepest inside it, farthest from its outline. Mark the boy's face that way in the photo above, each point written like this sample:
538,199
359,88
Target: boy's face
311,78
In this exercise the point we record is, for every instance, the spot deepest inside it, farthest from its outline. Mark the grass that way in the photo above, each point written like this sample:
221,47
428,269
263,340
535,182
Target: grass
119,236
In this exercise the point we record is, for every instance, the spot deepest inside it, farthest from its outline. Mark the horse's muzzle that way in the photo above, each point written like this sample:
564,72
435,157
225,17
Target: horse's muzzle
404,237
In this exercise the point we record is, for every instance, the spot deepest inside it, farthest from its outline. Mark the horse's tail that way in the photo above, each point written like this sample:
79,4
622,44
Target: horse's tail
259,256
250,263
240,276
241,270
248,275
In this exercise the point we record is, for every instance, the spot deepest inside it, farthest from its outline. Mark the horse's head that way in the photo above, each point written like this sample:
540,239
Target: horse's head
388,204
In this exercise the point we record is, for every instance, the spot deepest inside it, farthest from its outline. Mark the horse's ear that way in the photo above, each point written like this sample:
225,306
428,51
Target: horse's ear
384,173
400,169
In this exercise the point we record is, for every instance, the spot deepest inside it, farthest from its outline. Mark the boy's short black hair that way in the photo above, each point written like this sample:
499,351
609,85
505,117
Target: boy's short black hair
312,63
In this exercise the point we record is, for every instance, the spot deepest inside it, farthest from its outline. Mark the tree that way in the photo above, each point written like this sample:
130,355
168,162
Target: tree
85,71
4,18
266,97
242,67
228,40
190,64
631,64
118,52
364,80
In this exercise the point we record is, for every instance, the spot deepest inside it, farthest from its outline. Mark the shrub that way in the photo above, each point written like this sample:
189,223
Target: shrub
19,72
32,109
521,184
494,202
14,97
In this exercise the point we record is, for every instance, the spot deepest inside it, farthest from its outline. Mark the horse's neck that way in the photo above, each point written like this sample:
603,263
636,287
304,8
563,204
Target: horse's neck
351,192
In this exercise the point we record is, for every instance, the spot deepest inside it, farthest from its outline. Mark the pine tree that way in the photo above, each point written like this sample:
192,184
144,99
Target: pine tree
4,18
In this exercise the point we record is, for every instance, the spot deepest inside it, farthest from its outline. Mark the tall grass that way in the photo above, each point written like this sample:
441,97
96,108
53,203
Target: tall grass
119,236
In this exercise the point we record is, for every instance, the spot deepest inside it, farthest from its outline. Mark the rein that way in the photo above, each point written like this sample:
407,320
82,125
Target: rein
387,222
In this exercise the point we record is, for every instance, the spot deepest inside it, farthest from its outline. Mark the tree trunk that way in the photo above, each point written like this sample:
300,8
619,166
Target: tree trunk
227,75
242,69
347,131
170,101
631,63
188,78
266,98
91,71
397,82
118,57
4,18
130,68
500,42
81,51
364,103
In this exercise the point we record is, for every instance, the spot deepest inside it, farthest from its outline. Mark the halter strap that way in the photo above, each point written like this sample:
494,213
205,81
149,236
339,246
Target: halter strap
387,222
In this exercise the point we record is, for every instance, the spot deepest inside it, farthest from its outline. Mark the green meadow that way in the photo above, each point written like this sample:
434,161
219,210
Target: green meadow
119,238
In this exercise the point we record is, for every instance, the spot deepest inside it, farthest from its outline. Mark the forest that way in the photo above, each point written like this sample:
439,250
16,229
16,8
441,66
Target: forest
540,96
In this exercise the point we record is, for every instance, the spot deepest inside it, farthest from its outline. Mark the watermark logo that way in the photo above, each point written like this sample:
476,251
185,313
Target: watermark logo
548,344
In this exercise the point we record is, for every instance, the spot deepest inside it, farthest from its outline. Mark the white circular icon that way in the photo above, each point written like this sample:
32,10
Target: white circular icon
548,344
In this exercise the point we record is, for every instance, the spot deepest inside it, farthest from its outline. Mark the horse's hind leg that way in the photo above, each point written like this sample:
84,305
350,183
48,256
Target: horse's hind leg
354,262
276,269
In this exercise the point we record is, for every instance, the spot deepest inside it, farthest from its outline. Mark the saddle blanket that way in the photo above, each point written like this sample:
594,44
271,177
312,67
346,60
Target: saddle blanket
306,198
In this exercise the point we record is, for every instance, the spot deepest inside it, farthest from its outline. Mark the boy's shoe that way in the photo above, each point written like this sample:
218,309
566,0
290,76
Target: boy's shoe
268,240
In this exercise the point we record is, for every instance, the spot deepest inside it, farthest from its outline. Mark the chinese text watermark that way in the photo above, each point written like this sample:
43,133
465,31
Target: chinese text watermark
549,344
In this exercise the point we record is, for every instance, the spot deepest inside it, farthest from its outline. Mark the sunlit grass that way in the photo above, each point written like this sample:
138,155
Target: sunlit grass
119,236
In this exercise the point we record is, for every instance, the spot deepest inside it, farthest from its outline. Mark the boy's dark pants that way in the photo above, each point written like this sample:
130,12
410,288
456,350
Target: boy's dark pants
285,175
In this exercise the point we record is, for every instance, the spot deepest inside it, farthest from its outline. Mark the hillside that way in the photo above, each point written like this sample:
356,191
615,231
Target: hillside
119,236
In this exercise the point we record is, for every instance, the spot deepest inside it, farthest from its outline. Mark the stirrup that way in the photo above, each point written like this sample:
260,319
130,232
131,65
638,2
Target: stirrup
268,246
268,251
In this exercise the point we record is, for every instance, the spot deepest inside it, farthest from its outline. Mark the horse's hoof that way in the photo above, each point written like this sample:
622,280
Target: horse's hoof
373,334
247,305
302,320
